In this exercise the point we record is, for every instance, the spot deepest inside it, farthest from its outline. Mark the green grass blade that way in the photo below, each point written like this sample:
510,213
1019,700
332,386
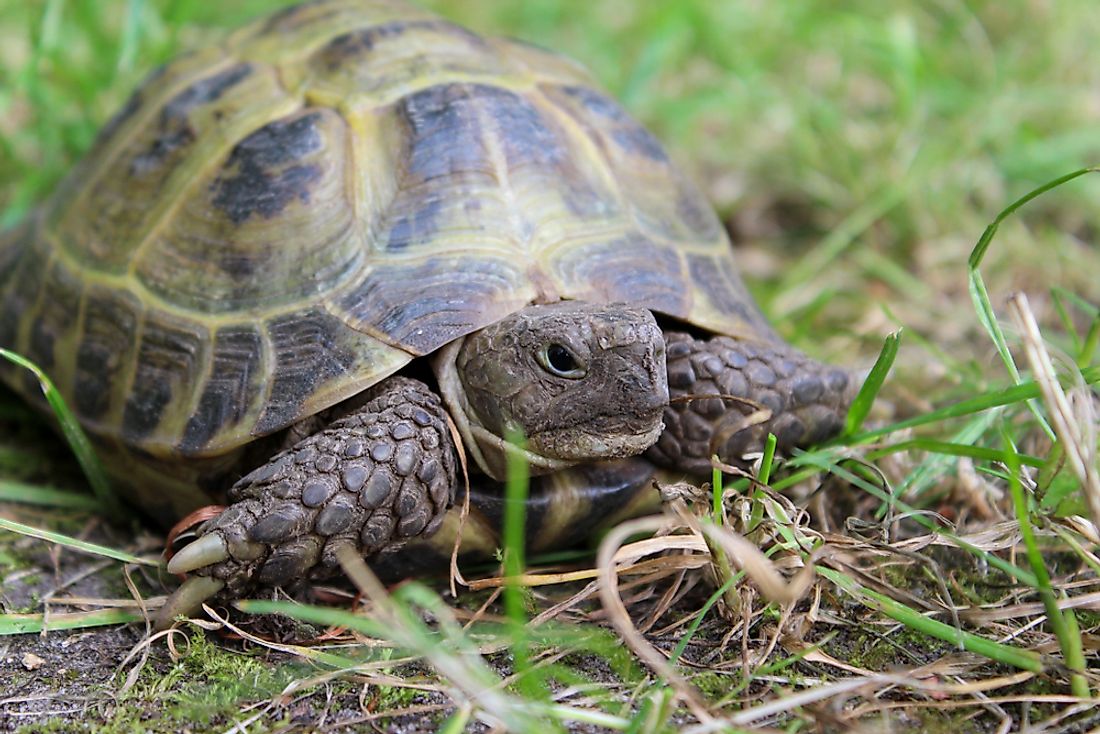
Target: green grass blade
1091,344
31,494
515,518
458,721
980,296
514,537
1058,300
1069,641
21,624
131,35
865,398
78,545
981,453
1007,654
716,494
987,317
342,618
768,459
756,514
689,634
1062,295
75,436
932,468
1006,396
978,253
1085,348
654,711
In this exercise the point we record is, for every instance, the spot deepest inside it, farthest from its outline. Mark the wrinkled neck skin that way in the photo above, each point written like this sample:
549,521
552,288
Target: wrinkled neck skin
498,382
488,450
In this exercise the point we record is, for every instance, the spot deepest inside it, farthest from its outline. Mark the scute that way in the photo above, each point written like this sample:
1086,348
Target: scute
269,225
383,62
629,268
317,361
425,305
134,178
273,224
172,352
233,389
269,169
105,355
25,261
55,331
175,130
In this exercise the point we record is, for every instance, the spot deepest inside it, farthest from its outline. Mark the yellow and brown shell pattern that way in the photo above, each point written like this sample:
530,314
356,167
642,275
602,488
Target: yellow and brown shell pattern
273,224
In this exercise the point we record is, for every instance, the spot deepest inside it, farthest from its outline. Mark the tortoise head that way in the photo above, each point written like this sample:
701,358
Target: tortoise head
578,381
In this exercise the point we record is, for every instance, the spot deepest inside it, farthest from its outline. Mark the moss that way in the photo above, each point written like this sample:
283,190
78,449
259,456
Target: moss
391,698
51,726
1087,619
880,652
209,683
714,685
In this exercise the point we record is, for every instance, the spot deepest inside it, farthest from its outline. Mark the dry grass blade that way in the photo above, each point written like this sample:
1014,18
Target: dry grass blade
1090,602
818,693
618,615
626,557
455,574
472,680
748,558
1076,432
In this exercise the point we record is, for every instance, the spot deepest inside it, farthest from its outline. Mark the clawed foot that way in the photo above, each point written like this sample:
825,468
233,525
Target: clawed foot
369,481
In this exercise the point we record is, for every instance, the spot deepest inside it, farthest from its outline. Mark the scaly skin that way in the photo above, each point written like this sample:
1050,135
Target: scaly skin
368,481
807,400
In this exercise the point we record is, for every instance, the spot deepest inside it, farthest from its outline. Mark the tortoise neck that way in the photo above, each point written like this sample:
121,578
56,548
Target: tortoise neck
488,450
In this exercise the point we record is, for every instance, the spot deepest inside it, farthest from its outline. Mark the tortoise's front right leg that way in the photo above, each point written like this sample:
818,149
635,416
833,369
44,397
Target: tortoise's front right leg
369,481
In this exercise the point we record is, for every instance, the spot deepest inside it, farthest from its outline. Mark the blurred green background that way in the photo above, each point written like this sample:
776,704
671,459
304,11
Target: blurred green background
857,149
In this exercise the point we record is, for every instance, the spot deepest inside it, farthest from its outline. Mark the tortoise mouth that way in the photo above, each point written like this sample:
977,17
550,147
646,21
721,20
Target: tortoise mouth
606,436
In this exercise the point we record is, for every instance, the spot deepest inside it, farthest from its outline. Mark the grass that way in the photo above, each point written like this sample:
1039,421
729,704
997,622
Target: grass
859,153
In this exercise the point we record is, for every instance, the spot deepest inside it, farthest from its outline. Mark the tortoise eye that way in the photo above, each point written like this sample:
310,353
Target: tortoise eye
559,360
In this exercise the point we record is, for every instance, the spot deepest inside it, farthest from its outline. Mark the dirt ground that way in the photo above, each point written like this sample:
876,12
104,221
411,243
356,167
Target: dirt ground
99,680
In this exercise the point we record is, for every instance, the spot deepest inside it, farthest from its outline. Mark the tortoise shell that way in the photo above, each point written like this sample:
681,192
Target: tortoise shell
273,224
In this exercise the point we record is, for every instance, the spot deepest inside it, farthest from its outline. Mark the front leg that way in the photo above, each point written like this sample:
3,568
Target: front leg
715,383
369,481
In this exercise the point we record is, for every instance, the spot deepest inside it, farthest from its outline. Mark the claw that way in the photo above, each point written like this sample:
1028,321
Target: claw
206,551
187,599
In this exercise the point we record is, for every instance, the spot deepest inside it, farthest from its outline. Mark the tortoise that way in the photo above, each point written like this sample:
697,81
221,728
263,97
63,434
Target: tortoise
314,265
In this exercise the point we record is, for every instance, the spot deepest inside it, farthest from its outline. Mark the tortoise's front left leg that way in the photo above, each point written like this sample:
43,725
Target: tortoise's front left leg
369,481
